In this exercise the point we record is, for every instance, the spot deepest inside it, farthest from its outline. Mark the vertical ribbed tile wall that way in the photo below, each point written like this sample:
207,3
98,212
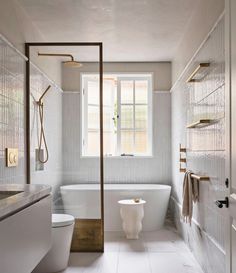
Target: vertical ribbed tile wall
205,153
12,134
12,119
52,173
156,169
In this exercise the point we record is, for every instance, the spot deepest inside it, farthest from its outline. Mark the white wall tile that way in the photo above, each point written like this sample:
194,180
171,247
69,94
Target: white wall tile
205,153
131,170
12,107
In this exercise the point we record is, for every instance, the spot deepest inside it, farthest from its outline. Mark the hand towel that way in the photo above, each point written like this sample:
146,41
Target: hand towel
190,195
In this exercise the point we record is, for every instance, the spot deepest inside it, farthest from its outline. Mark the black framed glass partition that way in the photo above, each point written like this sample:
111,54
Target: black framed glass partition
82,139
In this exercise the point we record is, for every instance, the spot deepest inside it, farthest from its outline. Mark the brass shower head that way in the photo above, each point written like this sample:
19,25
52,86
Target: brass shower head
71,63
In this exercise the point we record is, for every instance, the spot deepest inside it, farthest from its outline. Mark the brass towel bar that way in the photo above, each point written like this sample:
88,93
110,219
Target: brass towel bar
200,177
195,176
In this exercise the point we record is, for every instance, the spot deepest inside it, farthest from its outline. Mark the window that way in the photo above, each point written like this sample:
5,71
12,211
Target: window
127,115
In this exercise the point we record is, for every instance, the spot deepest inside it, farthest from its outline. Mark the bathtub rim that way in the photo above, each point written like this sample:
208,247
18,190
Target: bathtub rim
121,187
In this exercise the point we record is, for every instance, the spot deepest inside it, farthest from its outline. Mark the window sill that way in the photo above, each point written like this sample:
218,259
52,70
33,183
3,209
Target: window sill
118,157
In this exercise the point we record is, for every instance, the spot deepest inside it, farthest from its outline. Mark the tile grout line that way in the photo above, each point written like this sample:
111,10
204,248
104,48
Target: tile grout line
148,253
118,257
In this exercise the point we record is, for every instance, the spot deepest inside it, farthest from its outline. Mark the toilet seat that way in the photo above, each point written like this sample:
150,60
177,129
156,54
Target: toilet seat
62,220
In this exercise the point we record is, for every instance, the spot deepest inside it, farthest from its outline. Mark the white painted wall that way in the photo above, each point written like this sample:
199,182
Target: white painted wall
161,73
17,27
205,15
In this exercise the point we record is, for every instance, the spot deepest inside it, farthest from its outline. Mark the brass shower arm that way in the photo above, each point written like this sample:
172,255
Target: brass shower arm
56,55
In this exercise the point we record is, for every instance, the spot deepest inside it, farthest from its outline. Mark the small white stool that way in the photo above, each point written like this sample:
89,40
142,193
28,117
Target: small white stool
132,214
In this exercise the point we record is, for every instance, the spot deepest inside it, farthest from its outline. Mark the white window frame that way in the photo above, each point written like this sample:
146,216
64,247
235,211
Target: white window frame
120,76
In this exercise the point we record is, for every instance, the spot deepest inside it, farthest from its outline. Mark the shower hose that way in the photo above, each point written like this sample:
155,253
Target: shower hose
42,138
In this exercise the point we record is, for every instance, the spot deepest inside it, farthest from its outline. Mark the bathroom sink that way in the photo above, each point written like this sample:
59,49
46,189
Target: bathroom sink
6,194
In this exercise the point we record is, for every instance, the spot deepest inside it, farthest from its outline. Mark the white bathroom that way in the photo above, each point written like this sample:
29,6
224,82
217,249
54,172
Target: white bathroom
117,134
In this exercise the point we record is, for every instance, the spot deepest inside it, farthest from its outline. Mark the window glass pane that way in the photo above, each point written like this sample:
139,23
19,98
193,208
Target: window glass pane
93,117
127,116
93,92
93,146
126,92
141,118
108,118
108,92
141,91
127,142
109,139
141,142
118,112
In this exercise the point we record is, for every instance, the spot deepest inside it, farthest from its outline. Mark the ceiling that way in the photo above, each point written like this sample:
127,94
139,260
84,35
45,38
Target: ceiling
131,30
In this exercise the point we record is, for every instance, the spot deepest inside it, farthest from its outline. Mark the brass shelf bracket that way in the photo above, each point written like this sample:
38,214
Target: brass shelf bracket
201,123
199,73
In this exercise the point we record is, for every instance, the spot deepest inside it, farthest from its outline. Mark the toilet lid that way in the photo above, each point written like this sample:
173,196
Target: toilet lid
61,220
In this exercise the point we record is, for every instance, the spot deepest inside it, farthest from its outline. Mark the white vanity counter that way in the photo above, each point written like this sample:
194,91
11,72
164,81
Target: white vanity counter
25,226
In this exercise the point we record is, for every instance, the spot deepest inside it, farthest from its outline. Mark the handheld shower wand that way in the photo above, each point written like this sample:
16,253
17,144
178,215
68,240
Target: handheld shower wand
42,138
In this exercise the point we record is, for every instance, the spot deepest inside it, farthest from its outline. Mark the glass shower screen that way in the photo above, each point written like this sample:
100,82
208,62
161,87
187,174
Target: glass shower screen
75,165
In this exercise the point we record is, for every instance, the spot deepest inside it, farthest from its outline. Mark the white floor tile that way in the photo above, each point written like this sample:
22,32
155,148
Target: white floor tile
85,262
112,241
109,263
161,251
133,262
162,241
190,262
166,263
132,245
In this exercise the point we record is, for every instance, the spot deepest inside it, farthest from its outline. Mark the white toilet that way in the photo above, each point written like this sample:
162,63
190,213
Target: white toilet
57,257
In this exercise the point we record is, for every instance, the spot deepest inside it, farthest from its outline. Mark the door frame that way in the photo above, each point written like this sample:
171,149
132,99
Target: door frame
230,108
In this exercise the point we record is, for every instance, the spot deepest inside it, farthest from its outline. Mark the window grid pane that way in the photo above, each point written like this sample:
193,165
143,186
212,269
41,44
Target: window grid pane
93,117
127,88
127,142
127,118
141,117
93,92
141,94
93,144
141,139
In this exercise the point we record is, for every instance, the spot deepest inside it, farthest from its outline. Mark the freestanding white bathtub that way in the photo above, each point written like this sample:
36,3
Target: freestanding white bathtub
83,201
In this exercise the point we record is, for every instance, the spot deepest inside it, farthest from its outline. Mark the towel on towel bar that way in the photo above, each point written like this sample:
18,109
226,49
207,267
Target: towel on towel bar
190,195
